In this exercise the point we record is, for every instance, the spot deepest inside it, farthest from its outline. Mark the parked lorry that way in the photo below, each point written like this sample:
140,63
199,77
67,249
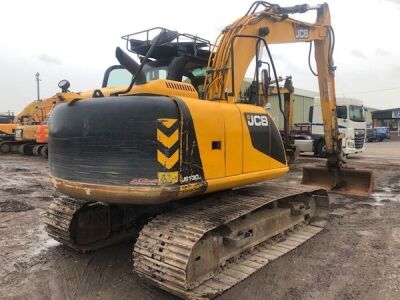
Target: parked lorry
309,137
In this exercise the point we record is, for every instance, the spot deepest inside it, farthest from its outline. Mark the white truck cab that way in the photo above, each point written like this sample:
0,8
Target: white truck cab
351,121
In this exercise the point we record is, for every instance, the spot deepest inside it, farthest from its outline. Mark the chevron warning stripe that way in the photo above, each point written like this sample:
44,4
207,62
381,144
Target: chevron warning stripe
168,137
168,141
168,162
168,122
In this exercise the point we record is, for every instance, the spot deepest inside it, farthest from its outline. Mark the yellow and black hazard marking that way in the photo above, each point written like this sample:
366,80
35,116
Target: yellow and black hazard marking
167,178
168,143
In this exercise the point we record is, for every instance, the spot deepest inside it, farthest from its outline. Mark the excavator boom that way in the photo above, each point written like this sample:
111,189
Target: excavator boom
274,26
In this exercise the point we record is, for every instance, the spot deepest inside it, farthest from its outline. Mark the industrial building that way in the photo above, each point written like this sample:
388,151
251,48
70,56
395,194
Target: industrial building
368,115
387,118
6,117
303,100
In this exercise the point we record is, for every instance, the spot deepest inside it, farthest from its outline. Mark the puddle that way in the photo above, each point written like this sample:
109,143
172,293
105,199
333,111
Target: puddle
16,169
371,204
41,245
385,194
14,206
396,234
365,233
16,191
46,242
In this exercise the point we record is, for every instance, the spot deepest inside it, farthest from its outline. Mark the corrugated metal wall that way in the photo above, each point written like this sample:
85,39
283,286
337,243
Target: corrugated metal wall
302,106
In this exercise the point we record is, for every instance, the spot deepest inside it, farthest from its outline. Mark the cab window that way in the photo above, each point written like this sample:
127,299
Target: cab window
341,112
117,76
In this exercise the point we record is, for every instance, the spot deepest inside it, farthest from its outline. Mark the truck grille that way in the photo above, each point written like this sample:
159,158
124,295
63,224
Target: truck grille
359,140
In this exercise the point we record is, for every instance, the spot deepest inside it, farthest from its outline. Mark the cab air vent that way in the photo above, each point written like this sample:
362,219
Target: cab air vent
180,86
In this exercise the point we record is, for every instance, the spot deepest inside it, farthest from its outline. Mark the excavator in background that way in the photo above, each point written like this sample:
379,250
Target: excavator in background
42,138
24,126
182,159
292,151
6,126
28,134
287,109
30,118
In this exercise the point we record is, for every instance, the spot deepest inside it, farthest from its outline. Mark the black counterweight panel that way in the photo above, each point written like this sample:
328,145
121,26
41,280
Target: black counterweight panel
110,140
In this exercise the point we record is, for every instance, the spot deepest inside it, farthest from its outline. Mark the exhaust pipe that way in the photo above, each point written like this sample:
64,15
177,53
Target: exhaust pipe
347,181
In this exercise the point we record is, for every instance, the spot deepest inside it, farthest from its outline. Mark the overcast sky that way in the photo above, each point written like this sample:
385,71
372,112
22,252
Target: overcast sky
76,40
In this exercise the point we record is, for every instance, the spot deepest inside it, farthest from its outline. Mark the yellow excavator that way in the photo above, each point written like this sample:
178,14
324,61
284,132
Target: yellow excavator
23,129
28,134
182,159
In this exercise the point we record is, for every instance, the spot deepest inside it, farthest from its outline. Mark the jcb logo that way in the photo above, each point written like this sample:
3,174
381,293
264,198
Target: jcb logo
302,32
257,120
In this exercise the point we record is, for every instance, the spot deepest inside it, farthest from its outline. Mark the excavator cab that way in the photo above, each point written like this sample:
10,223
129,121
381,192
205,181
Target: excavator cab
165,55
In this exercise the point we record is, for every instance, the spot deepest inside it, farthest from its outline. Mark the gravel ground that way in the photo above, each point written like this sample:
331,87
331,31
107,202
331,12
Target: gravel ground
355,257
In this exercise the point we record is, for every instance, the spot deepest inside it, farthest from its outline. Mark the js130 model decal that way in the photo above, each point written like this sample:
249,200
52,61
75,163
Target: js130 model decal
191,178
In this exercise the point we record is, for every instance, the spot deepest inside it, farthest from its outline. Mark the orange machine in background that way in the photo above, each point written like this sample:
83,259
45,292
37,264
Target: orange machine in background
42,138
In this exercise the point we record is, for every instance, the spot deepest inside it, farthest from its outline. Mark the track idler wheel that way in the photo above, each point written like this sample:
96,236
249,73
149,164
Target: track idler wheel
91,224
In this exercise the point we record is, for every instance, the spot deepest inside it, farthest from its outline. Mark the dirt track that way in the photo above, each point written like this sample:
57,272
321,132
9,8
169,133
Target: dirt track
356,257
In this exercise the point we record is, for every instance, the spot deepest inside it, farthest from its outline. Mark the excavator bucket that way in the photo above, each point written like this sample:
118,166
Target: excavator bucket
348,181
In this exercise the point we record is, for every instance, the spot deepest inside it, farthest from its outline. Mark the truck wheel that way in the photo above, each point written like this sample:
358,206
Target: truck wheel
21,149
44,151
26,149
321,149
5,148
36,149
